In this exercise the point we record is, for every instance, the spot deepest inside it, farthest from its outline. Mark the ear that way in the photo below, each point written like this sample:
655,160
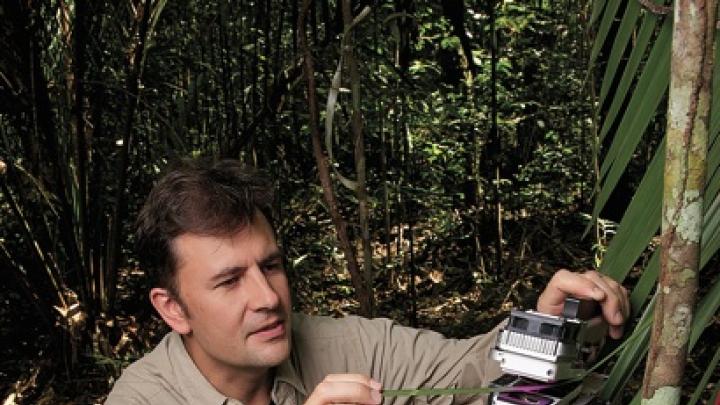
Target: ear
170,310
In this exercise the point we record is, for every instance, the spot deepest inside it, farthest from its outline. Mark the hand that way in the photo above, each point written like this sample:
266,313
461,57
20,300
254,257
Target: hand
612,296
346,389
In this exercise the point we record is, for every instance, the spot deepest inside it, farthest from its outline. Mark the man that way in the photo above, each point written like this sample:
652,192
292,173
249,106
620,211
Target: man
205,234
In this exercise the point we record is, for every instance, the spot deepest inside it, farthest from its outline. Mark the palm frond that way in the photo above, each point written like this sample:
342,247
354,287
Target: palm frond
632,102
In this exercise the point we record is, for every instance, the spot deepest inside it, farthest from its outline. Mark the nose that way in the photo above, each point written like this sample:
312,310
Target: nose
261,295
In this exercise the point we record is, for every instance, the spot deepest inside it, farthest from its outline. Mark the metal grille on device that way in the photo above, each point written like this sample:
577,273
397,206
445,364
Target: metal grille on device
531,343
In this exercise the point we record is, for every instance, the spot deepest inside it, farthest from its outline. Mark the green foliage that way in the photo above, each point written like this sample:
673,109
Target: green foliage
553,167
224,78
631,98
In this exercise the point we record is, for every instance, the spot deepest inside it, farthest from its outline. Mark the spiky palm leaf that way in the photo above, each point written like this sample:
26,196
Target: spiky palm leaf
632,93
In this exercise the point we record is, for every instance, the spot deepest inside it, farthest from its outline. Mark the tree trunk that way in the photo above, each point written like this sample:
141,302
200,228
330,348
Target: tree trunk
495,144
356,124
77,90
133,80
682,214
324,171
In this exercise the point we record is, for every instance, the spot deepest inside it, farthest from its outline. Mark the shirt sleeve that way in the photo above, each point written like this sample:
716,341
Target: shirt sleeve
402,357
123,394
413,358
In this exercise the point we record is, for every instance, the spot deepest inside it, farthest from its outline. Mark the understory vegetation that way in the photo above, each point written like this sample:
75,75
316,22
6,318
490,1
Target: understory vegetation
483,142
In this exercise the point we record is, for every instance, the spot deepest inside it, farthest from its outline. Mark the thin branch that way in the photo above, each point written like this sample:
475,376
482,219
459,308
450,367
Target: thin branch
657,9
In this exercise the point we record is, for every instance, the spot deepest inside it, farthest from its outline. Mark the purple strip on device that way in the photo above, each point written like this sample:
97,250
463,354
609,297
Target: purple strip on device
524,398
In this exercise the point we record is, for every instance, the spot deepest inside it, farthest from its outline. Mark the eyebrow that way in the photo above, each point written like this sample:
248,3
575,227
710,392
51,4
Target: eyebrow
276,255
233,270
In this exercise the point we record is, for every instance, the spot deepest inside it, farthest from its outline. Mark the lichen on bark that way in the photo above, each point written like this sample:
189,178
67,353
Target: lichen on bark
664,396
674,338
682,215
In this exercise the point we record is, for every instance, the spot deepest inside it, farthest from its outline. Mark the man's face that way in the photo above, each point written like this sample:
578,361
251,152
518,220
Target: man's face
236,294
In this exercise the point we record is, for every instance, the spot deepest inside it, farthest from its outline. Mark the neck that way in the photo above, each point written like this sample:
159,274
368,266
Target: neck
250,389
251,386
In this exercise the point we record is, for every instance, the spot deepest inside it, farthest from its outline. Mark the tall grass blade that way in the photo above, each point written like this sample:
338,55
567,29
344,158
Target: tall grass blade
640,222
597,9
647,29
607,20
625,31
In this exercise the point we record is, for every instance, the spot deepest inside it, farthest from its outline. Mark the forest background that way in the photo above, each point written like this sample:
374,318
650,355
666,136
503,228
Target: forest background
435,162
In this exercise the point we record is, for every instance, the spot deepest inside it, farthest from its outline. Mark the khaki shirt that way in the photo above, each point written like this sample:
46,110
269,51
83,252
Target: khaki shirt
397,356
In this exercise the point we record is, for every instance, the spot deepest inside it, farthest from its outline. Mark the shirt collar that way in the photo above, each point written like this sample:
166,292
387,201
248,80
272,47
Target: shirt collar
192,383
287,373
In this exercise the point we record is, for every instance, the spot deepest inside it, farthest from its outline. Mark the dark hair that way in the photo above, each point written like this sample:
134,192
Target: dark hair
197,196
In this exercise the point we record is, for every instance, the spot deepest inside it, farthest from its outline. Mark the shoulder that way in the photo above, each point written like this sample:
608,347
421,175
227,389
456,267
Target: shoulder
148,380
320,327
322,333
323,345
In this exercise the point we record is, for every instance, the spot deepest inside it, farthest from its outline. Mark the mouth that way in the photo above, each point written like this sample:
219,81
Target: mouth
270,331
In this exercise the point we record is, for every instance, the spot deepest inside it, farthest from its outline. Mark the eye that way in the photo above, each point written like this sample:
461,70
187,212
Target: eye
273,266
228,282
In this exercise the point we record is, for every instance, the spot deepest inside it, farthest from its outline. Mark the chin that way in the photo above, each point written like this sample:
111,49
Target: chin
275,354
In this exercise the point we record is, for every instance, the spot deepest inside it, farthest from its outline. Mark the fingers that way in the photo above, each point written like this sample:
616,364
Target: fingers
615,306
346,389
612,296
563,284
